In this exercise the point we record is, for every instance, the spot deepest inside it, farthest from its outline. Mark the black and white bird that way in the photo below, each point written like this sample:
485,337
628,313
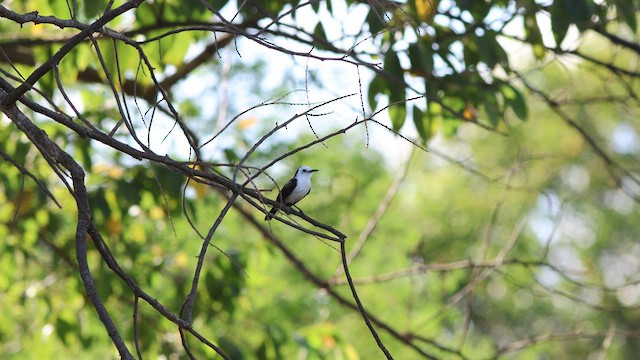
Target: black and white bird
294,190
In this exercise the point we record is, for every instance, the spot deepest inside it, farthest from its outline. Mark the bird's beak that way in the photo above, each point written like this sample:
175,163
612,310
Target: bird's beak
313,170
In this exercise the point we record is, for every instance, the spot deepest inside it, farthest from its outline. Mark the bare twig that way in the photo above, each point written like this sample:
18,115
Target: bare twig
26,172
343,252
136,339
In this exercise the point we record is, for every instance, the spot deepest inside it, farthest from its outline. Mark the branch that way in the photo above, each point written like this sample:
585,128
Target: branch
187,307
26,172
68,46
50,150
375,218
634,46
347,273
613,168
56,156
407,339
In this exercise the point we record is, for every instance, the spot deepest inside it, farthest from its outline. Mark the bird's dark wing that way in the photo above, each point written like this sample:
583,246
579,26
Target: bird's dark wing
287,189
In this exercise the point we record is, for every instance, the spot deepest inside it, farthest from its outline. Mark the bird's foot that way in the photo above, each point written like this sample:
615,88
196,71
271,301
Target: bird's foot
297,208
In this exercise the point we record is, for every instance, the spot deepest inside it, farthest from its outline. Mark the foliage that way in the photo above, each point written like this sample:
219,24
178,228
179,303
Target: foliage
140,141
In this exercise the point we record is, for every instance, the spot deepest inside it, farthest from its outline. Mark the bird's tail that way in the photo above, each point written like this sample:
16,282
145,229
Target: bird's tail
271,213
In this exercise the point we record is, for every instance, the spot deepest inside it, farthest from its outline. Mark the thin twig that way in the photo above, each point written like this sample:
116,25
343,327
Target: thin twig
343,252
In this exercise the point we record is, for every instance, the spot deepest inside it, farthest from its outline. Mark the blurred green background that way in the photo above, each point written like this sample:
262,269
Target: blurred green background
514,236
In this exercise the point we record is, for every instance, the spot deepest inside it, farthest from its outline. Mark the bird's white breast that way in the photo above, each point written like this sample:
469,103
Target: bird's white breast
302,188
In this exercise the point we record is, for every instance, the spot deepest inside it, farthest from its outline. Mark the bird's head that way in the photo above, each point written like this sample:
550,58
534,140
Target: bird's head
305,171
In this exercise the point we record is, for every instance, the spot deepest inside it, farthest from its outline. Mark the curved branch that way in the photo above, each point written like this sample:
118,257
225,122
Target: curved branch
51,151
407,339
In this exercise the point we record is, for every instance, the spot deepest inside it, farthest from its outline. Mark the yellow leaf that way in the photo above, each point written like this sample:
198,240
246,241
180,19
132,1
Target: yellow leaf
329,342
182,260
247,123
426,9
157,250
157,213
114,226
470,113
111,171
351,353
24,200
200,189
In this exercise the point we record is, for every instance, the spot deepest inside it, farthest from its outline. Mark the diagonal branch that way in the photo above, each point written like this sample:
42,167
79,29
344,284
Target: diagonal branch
380,211
49,149
407,339
347,273
64,50
187,308
26,172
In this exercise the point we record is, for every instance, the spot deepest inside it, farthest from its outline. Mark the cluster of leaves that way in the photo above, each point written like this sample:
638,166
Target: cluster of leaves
458,63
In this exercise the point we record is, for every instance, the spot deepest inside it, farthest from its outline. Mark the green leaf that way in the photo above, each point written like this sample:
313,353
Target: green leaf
92,9
394,79
375,21
582,11
432,87
422,123
479,9
319,31
492,108
68,68
539,51
154,51
470,52
424,10
64,327
145,14
533,35
329,4
490,51
559,21
321,36
192,9
127,58
47,83
60,9
230,347
294,5
83,153
84,56
231,155
627,12
398,114
449,127
421,59
176,48
392,65
515,101
377,86
315,5
449,121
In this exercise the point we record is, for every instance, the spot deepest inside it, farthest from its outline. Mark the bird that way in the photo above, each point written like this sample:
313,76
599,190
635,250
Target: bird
294,190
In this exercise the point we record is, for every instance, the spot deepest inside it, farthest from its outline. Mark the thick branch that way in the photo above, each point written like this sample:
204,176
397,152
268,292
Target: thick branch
50,150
